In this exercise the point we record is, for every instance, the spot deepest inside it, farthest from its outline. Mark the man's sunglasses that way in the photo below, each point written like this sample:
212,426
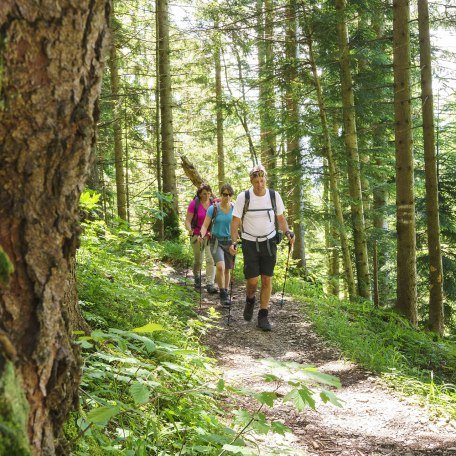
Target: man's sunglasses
257,174
227,194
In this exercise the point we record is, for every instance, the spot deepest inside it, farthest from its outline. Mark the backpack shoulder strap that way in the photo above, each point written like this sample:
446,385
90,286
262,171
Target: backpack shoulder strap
215,211
195,212
246,203
272,194
215,208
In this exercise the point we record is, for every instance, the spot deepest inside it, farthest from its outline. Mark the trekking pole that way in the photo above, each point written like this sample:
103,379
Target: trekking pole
231,292
188,260
201,266
286,273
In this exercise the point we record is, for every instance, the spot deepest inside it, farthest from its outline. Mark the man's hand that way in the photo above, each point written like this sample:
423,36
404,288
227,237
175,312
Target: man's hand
291,237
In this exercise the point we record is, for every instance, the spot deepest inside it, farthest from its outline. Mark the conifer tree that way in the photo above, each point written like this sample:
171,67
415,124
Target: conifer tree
117,125
432,199
171,221
405,195
351,146
51,72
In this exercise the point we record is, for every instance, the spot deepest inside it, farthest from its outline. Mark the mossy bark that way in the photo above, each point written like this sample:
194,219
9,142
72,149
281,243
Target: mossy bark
14,410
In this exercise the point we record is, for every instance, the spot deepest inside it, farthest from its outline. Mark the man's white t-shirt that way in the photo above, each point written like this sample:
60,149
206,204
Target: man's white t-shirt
258,224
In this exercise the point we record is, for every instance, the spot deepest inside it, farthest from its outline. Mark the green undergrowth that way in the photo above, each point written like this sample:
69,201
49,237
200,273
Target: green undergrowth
148,386
414,362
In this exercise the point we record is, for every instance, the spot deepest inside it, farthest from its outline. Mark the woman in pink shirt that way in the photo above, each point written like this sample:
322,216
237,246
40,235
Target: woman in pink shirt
196,213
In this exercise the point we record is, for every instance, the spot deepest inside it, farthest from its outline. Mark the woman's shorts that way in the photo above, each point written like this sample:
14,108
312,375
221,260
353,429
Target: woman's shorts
221,253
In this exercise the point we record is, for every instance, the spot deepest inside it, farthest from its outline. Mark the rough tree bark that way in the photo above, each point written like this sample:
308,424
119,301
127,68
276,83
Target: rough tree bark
191,172
430,166
405,195
51,63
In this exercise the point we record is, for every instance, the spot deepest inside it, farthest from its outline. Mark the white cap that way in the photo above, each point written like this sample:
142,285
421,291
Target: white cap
257,168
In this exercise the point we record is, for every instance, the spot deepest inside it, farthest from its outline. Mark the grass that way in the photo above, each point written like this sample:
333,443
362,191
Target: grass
147,386
413,361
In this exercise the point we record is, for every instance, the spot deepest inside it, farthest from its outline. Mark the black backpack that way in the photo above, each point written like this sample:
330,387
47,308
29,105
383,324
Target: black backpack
194,221
216,205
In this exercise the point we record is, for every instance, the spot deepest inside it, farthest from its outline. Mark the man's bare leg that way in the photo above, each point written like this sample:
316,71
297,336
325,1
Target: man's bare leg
251,287
265,291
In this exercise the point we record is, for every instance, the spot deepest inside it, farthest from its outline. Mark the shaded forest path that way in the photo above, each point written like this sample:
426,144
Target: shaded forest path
374,419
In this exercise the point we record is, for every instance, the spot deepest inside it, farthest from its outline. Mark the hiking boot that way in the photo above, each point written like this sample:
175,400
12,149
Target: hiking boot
211,289
248,308
263,322
224,298
197,283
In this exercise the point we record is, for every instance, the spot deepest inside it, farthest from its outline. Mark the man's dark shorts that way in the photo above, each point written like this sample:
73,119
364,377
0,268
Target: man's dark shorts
259,262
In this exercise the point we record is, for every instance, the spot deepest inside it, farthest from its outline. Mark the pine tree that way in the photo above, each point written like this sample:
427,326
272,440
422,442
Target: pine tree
405,195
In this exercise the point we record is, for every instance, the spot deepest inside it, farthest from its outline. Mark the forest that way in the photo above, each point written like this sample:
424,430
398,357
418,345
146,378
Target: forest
113,113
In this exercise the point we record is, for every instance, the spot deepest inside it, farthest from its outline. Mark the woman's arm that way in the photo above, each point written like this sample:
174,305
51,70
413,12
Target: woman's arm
206,222
188,222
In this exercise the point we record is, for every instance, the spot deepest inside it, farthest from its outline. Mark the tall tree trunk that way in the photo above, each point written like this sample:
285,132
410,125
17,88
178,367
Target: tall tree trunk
351,146
405,196
380,199
292,133
332,168
166,127
432,199
332,254
219,109
160,223
265,36
117,126
94,181
241,111
127,173
380,188
51,64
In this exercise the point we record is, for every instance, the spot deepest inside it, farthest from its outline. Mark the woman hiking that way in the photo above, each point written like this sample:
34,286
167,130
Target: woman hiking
196,213
218,218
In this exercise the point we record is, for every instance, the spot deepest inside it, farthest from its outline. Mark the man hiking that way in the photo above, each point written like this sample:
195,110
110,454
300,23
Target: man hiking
259,211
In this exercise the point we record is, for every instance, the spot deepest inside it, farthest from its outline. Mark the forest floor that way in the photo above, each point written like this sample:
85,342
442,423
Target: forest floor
374,420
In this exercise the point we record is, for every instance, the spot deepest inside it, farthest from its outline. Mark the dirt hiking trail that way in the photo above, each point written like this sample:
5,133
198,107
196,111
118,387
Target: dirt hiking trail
374,420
